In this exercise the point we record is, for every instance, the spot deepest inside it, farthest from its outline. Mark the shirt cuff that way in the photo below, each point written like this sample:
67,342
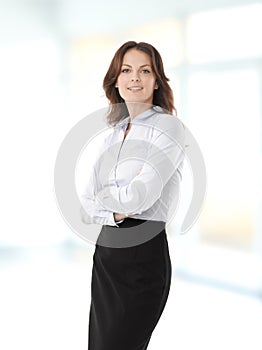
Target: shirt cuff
111,220
118,222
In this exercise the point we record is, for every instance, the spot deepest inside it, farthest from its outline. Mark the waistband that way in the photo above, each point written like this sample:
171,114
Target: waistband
130,232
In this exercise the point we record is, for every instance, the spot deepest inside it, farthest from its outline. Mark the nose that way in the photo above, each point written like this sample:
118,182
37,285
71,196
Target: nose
135,77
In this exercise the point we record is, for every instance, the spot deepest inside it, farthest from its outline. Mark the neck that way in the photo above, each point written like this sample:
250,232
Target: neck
135,109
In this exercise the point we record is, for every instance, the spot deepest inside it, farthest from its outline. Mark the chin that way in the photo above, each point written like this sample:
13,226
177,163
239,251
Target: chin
138,100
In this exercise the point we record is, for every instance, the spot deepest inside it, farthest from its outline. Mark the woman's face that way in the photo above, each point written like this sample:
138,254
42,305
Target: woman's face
136,81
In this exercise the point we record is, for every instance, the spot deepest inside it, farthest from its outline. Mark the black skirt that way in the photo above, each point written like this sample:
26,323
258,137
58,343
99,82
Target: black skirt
129,290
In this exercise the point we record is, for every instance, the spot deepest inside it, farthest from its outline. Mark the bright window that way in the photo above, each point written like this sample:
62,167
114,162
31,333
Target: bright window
226,34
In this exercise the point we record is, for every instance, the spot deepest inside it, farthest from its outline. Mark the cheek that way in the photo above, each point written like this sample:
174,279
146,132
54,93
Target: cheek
117,83
121,81
152,84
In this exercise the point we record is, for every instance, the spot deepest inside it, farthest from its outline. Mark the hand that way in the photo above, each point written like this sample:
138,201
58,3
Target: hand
118,216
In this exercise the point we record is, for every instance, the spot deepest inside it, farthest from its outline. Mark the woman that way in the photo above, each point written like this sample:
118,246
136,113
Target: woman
131,192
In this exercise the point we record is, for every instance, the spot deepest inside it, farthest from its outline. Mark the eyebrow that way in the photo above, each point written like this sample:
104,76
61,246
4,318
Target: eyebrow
143,65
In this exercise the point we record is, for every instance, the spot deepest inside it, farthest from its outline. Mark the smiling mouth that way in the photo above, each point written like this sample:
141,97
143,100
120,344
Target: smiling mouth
135,88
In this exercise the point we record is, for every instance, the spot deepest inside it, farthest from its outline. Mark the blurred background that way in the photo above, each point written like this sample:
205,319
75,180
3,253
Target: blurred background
54,55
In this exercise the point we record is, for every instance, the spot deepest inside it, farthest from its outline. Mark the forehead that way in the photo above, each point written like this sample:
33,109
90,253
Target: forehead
136,57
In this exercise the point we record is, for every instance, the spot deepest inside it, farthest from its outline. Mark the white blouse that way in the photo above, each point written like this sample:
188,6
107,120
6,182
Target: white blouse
138,175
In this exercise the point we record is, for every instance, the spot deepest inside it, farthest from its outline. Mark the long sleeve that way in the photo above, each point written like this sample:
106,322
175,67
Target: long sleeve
164,156
92,212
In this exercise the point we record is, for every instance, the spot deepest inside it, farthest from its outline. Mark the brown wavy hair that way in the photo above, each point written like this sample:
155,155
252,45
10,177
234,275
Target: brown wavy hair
163,96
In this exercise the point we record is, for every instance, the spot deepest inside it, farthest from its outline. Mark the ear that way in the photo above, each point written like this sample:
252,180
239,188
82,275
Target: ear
156,86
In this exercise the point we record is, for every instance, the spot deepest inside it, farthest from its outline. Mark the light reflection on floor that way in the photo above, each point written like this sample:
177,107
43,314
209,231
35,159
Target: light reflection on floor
45,304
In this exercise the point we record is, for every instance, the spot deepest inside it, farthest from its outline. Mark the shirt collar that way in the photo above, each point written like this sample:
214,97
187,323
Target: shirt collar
140,117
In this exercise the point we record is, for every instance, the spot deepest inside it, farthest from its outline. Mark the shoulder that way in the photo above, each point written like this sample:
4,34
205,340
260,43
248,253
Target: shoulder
169,124
168,127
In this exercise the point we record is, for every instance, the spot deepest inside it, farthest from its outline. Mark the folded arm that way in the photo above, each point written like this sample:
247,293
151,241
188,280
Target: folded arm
163,159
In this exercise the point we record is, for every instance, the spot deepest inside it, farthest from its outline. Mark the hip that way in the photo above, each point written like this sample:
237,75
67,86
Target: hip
135,242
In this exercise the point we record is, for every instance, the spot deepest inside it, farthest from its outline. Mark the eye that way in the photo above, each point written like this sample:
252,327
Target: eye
125,70
146,71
